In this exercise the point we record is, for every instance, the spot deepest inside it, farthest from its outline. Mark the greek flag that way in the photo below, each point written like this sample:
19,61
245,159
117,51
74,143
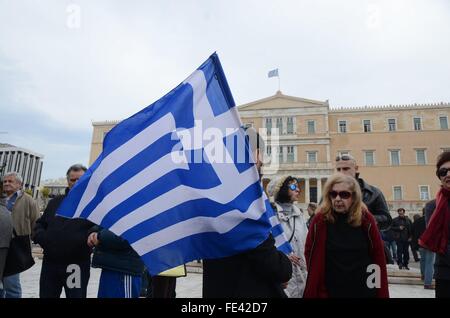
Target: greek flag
273,73
176,180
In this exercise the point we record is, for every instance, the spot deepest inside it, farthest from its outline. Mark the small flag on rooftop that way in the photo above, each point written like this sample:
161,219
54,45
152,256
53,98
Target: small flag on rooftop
273,73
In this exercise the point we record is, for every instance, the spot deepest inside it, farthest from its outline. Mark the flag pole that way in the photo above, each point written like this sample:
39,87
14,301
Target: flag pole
279,83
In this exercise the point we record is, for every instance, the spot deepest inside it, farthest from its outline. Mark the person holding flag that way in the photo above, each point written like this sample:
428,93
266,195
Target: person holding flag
261,272
172,183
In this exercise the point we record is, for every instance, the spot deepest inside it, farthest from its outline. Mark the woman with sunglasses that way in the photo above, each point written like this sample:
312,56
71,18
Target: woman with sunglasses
436,237
344,250
285,192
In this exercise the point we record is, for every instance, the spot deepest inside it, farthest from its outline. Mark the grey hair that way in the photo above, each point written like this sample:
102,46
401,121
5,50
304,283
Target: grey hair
16,175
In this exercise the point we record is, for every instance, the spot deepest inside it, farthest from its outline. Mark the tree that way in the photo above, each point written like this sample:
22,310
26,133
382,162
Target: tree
45,194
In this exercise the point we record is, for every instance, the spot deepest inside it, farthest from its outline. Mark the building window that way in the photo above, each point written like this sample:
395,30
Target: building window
369,156
367,125
290,154
342,126
395,157
343,152
269,125
290,125
445,149
280,154
392,124
279,125
269,150
443,122
420,157
417,123
424,193
311,156
311,127
398,195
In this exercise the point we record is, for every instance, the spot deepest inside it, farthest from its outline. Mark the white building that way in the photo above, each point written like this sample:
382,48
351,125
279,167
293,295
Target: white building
25,162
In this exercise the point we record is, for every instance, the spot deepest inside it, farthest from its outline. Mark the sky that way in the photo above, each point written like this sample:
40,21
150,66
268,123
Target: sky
65,64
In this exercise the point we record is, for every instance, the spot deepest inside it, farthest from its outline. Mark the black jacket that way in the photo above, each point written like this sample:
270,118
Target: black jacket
115,254
64,240
442,263
376,203
418,228
405,234
257,273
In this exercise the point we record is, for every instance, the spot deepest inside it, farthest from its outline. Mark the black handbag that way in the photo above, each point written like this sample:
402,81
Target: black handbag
19,257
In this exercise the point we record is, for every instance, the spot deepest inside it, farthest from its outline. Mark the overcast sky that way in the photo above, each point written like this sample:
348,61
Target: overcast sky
64,64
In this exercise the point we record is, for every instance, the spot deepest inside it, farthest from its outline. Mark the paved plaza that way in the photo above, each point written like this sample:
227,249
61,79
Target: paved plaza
191,285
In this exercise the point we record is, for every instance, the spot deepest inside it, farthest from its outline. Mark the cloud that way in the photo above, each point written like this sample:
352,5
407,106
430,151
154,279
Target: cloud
56,78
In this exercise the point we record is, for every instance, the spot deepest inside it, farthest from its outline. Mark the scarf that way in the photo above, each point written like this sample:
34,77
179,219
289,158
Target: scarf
435,237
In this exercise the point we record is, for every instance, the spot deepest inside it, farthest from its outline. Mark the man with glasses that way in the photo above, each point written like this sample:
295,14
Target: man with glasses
372,196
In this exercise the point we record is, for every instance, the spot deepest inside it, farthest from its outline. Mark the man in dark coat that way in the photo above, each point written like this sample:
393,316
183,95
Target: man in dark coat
402,228
373,198
66,262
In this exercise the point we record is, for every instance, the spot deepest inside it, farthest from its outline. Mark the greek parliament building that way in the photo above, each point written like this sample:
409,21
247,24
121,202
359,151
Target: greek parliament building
395,146
25,162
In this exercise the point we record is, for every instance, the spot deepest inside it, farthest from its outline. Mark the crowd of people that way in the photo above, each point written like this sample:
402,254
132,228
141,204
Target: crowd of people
341,250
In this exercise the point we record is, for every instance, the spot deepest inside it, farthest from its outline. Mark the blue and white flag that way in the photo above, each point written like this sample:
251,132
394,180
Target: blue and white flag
175,179
273,73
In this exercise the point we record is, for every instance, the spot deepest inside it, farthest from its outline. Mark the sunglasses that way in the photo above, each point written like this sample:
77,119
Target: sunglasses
443,172
341,194
343,157
294,187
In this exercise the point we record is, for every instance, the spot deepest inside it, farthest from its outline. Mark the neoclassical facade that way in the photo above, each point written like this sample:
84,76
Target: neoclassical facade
23,161
395,146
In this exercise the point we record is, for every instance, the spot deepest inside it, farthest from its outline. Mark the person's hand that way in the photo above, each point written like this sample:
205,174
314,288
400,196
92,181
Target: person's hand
92,239
284,285
295,259
401,227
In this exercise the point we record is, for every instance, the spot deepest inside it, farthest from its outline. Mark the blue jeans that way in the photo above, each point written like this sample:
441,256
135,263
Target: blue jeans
11,287
426,265
392,246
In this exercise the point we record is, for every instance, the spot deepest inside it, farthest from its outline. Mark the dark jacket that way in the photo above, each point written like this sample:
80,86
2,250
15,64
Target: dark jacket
405,234
374,199
64,240
315,253
418,228
442,262
257,273
115,254
388,235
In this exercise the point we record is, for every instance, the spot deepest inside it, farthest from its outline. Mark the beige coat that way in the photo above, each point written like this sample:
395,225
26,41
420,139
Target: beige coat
24,214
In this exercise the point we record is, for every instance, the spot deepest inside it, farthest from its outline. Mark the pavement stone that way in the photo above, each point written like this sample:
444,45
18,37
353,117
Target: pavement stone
191,285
